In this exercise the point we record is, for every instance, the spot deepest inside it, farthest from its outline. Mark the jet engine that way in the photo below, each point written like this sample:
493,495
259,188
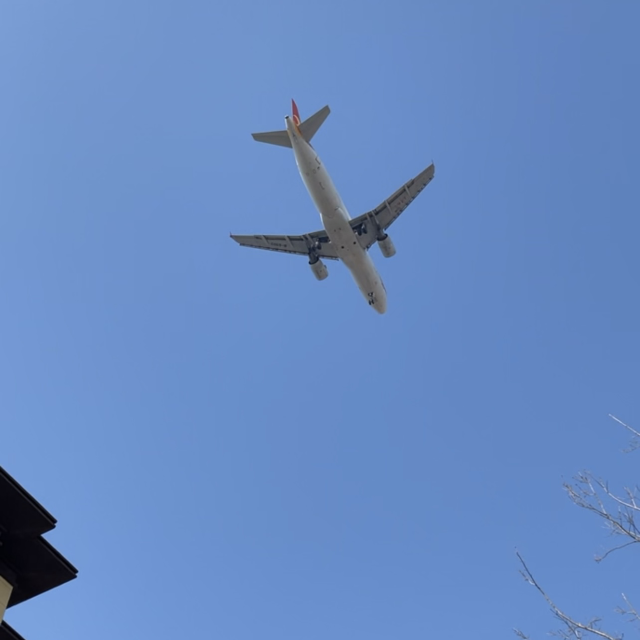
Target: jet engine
319,269
387,249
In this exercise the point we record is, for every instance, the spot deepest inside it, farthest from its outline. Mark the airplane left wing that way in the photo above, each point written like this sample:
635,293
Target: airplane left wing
368,225
316,242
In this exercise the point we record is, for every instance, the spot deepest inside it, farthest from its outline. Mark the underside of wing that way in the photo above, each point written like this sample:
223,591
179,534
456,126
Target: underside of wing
370,225
316,243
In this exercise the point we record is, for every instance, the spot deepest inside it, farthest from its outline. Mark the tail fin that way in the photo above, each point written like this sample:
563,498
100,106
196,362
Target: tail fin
308,128
295,113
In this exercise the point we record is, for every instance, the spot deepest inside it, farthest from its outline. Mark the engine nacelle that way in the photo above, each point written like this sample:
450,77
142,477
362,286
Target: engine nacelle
387,248
319,269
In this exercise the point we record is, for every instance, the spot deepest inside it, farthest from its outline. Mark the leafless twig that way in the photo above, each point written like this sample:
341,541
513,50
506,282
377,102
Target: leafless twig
629,610
572,628
619,513
635,441
590,493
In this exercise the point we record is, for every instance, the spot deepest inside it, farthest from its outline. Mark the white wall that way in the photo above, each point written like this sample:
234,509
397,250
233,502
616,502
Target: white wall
5,594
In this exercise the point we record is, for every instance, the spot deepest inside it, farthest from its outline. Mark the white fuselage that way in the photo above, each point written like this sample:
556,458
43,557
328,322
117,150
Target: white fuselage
335,220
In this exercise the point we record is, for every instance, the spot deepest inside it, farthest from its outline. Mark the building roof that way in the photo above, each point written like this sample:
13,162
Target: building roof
20,512
27,560
8,633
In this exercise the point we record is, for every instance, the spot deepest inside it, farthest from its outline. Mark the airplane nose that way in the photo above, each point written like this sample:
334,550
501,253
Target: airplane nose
381,303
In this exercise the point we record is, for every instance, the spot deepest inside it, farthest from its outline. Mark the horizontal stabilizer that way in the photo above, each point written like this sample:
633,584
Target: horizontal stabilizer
311,125
308,129
281,138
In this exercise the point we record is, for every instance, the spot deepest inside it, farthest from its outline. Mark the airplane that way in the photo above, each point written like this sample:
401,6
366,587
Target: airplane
342,238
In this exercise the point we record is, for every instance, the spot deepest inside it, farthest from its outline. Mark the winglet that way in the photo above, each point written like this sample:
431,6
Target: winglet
296,113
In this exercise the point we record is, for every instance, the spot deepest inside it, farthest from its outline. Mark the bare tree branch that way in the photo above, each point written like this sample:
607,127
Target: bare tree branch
606,553
618,513
573,628
629,611
635,442
590,493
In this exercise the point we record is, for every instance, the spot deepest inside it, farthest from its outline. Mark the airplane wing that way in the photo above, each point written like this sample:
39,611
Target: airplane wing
369,224
318,242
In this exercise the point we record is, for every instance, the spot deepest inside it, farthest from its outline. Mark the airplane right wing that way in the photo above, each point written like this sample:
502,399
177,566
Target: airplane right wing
382,217
316,242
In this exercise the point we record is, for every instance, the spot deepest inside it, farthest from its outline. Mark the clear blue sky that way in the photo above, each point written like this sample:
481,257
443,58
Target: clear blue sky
234,450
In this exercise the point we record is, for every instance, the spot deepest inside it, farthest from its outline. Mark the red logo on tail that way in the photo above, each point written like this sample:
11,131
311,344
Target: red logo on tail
296,114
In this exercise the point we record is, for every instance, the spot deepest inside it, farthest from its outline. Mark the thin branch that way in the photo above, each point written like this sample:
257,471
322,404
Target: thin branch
574,629
622,546
629,611
635,442
585,494
593,494
628,505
